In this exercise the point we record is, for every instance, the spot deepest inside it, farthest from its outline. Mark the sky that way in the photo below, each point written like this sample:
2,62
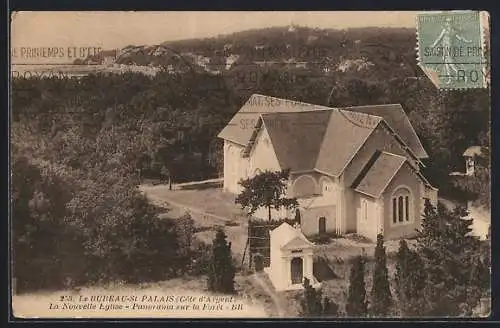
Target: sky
109,30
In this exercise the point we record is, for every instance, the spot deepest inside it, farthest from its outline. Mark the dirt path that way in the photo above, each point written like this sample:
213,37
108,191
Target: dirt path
236,234
280,307
166,202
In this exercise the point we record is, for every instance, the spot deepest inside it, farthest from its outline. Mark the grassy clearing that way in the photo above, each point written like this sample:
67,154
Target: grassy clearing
220,206
210,200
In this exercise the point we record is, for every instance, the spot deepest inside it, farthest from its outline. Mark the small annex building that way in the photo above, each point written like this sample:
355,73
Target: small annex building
291,258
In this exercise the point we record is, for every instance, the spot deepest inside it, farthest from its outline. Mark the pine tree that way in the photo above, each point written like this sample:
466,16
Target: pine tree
356,300
222,271
312,304
449,253
330,308
410,280
381,292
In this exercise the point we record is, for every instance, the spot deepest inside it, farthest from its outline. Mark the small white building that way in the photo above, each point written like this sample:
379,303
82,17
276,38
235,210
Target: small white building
469,155
291,258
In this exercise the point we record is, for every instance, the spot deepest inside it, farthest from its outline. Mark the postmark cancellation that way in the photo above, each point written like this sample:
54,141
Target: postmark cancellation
452,48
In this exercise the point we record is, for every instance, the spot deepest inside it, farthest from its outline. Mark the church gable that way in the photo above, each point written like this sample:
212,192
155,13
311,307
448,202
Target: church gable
297,137
395,116
380,140
262,154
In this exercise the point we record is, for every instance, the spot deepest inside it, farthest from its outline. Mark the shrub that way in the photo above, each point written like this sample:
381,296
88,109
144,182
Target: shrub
199,259
313,304
381,292
184,231
259,262
201,229
320,239
356,300
221,270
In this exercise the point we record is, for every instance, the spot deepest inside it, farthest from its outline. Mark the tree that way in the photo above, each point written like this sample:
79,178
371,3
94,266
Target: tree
312,304
222,271
381,293
184,231
356,299
410,280
266,189
450,255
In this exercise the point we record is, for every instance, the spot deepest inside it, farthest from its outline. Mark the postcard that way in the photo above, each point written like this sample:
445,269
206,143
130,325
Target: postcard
250,164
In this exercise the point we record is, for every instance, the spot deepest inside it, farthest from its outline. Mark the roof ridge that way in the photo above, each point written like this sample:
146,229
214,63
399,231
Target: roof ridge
290,101
396,155
364,171
377,105
342,109
308,111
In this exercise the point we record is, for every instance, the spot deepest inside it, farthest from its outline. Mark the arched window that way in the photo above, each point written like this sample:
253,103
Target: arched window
401,206
364,207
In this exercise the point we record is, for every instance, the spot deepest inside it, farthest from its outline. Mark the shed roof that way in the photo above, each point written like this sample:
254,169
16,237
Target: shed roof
286,236
472,151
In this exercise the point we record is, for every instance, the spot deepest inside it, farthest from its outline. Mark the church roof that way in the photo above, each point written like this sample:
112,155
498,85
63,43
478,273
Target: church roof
239,129
297,137
396,117
312,137
324,138
378,173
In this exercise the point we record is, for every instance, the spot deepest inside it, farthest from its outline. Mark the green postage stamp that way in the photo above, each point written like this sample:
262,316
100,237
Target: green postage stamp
452,48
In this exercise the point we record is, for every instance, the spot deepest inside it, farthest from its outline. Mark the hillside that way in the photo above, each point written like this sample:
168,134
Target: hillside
369,51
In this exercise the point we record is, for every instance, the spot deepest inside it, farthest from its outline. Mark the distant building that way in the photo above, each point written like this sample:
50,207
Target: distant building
108,57
311,38
231,60
469,155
